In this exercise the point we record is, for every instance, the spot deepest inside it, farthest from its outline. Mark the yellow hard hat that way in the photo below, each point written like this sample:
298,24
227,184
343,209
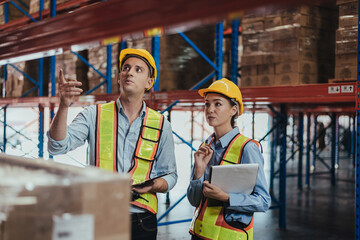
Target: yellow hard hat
143,55
227,88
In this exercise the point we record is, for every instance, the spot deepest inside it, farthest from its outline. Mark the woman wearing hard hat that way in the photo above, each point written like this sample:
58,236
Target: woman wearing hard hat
233,215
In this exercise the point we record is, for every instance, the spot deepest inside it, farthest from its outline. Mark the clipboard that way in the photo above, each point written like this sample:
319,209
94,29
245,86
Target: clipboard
149,180
235,178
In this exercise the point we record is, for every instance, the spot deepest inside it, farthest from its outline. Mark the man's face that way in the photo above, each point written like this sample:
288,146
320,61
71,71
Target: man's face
134,76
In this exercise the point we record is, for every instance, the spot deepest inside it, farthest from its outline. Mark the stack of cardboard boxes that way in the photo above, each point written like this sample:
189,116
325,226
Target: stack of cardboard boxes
288,46
346,40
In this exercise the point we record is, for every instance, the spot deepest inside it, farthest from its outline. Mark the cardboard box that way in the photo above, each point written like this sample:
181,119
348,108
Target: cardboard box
248,81
253,59
252,27
271,22
265,69
265,80
309,21
349,21
295,79
346,72
282,45
339,2
45,200
350,8
249,70
297,55
269,58
346,34
306,67
346,47
343,60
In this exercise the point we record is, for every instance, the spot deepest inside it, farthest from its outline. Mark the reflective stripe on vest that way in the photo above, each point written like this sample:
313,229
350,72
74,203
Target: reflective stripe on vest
208,222
144,156
106,136
145,151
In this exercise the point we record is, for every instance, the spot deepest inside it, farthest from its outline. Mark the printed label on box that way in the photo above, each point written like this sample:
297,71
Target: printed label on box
334,89
347,89
73,227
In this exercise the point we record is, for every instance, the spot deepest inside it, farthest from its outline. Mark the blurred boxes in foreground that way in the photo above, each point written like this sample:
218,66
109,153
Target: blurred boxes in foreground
47,200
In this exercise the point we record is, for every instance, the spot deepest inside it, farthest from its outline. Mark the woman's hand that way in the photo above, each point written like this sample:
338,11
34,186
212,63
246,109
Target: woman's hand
212,191
202,158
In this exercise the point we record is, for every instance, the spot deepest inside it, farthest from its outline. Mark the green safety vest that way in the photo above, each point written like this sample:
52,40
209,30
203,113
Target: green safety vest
145,150
208,221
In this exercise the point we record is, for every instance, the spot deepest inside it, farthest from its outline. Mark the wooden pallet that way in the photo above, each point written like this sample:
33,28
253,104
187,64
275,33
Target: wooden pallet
342,80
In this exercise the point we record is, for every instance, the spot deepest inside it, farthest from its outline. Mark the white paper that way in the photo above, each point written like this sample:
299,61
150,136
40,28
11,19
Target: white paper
235,178
73,227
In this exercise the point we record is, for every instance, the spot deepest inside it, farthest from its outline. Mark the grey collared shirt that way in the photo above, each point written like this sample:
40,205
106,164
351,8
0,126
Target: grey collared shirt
83,127
240,207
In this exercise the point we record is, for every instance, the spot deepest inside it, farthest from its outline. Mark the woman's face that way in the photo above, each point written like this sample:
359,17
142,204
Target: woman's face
218,110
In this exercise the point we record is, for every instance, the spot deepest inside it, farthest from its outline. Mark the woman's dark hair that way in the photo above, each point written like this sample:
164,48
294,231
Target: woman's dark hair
232,103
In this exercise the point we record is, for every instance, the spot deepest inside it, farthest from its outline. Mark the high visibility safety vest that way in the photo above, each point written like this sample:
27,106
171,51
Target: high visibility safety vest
145,150
208,221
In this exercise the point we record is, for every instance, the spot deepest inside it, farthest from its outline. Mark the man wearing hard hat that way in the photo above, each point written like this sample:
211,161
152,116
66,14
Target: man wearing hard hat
124,136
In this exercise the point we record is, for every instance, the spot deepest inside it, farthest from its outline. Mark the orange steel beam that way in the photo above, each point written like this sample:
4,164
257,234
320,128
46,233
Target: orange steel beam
114,18
306,98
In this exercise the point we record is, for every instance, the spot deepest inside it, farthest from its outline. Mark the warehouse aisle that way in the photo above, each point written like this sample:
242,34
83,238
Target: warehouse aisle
319,212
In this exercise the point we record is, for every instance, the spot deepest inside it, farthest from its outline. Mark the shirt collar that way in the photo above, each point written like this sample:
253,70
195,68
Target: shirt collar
226,139
121,109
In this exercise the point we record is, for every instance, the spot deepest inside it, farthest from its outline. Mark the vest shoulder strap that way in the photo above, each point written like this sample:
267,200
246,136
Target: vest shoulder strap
234,150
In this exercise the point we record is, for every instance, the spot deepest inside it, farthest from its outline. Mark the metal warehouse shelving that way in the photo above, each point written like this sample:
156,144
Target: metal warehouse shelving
101,22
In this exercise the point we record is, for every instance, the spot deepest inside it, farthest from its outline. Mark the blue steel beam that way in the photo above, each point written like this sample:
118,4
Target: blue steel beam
41,8
25,75
171,208
301,149
219,37
108,68
52,64
273,155
123,45
234,51
107,78
353,138
24,4
307,170
314,149
155,50
87,63
41,108
293,134
41,131
4,132
23,11
198,50
282,185
6,12
334,146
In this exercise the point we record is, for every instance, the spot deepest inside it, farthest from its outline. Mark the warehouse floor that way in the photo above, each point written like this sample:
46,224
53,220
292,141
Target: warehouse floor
319,212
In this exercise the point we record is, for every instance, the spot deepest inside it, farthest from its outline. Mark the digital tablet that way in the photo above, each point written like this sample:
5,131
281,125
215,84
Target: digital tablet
235,178
149,180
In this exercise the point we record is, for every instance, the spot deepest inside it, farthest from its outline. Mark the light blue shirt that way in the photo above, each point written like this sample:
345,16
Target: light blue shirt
240,207
83,128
